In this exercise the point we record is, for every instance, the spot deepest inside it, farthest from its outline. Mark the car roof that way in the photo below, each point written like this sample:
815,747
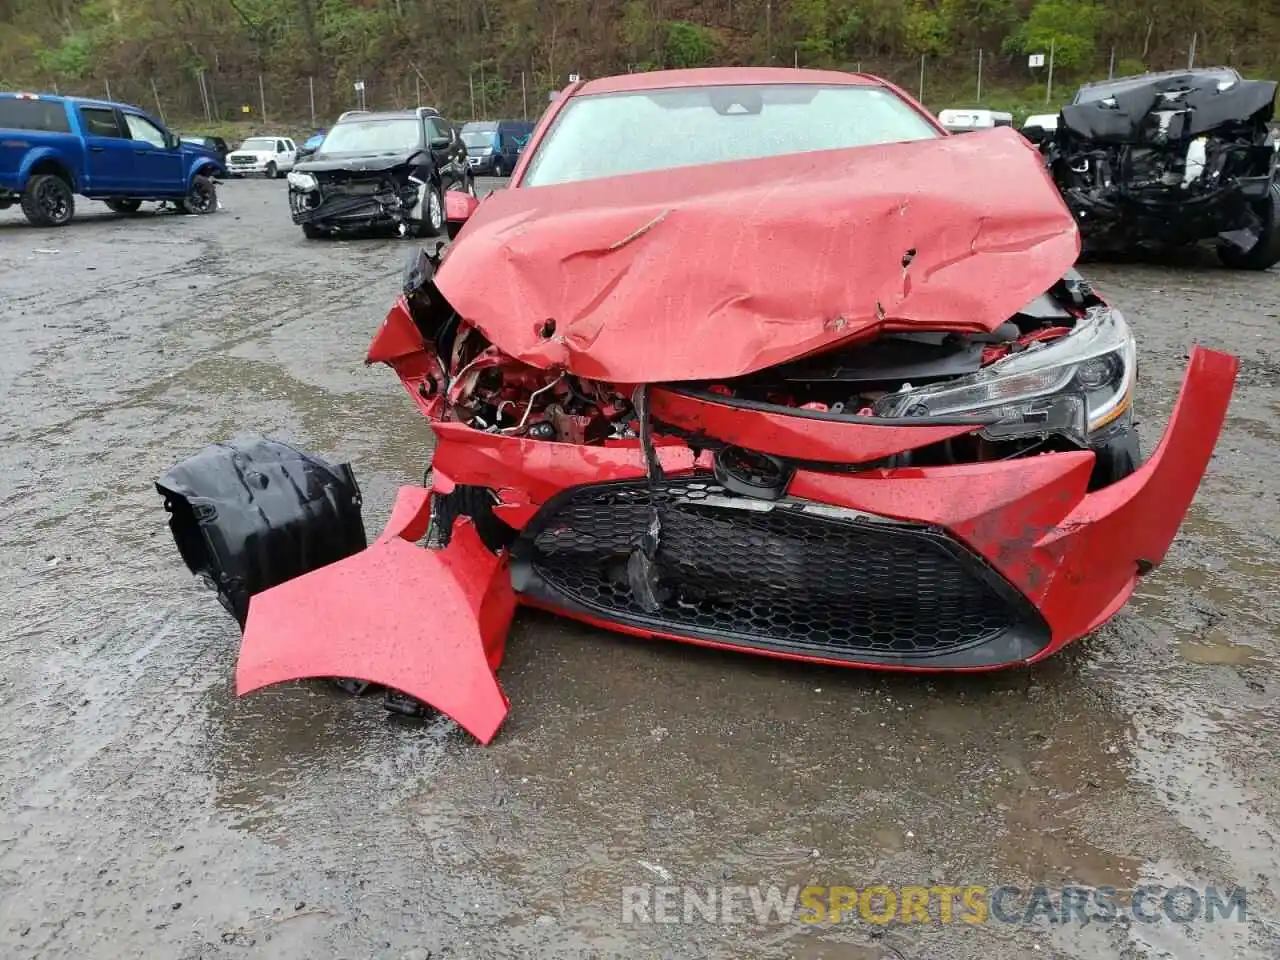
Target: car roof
78,101
721,76
354,115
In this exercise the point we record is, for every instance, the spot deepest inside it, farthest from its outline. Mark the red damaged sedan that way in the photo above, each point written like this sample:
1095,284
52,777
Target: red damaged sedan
749,358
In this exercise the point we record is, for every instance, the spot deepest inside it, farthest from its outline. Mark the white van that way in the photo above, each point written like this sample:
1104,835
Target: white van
966,121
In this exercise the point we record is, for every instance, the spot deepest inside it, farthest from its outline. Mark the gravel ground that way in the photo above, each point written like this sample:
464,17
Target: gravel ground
147,812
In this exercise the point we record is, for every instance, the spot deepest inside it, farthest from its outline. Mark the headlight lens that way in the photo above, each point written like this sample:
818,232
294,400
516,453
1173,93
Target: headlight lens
1073,386
302,181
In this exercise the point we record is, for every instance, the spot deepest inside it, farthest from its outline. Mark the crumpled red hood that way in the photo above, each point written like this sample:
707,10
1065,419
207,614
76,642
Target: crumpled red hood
720,270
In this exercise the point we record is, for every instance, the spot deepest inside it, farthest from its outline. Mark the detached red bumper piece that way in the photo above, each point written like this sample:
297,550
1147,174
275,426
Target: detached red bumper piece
428,623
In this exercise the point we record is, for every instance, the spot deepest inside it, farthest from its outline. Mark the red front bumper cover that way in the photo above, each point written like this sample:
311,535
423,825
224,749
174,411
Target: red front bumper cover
432,622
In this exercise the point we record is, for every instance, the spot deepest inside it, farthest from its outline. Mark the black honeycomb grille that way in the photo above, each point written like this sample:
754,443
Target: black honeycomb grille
789,575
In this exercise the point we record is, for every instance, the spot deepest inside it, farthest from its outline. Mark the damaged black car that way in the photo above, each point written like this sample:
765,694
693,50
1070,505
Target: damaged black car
1163,160
381,171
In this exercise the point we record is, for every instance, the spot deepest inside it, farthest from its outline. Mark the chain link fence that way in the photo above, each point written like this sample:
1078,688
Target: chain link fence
253,100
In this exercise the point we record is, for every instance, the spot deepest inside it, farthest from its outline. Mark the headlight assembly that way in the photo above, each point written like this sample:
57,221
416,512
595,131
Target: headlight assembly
1073,386
302,181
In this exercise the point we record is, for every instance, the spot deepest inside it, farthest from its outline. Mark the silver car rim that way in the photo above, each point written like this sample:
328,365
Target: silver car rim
434,210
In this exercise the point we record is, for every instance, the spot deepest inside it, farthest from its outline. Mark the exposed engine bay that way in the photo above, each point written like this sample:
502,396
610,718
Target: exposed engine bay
892,377
350,199
1177,159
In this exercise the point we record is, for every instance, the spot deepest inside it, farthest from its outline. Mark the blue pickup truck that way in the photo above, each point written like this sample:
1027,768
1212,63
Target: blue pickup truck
52,148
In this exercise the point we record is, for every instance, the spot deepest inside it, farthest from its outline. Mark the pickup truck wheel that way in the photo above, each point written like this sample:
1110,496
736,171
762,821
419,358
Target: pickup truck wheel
272,171
1266,252
48,201
498,171
201,198
125,207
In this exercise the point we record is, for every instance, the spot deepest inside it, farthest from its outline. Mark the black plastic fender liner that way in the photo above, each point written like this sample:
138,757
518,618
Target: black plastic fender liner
249,514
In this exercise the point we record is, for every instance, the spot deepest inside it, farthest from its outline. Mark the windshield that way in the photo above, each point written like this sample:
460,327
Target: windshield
259,143
398,135
612,134
477,139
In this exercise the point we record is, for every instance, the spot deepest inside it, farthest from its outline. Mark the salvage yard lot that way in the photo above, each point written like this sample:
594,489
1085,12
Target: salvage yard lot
150,813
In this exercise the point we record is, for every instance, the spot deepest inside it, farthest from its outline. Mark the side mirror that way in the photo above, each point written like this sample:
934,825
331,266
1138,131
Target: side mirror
439,143
172,141
1036,134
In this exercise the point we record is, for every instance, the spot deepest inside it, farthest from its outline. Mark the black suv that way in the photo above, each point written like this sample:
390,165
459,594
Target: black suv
387,169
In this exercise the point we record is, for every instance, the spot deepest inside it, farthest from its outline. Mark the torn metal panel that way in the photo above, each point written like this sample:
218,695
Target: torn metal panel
1167,108
725,269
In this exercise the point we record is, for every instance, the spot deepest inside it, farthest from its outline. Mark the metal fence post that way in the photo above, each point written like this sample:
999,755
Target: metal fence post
262,98
108,83
979,74
524,97
922,57
1048,90
311,87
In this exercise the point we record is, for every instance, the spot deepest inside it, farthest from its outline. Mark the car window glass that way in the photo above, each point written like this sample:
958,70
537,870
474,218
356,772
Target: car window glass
437,128
279,146
144,130
44,115
99,122
607,135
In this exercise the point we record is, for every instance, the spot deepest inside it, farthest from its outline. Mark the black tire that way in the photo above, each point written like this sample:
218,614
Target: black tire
280,174
202,198
124,207
498,169
430,226
1266,252
312,232
272,171
48,201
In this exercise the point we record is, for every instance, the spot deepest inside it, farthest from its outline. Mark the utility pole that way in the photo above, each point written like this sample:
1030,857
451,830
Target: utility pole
311,86
1191,57
979,74
921,97
1048,90
524,96
1111,70
262,98
471,82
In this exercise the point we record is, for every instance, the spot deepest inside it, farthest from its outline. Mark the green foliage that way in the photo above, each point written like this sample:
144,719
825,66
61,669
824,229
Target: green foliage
926,29
1069,27
71,59
689,45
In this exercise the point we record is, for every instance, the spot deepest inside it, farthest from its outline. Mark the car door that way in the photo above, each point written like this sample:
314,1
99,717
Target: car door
290,155
108,152
158,167
446,151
